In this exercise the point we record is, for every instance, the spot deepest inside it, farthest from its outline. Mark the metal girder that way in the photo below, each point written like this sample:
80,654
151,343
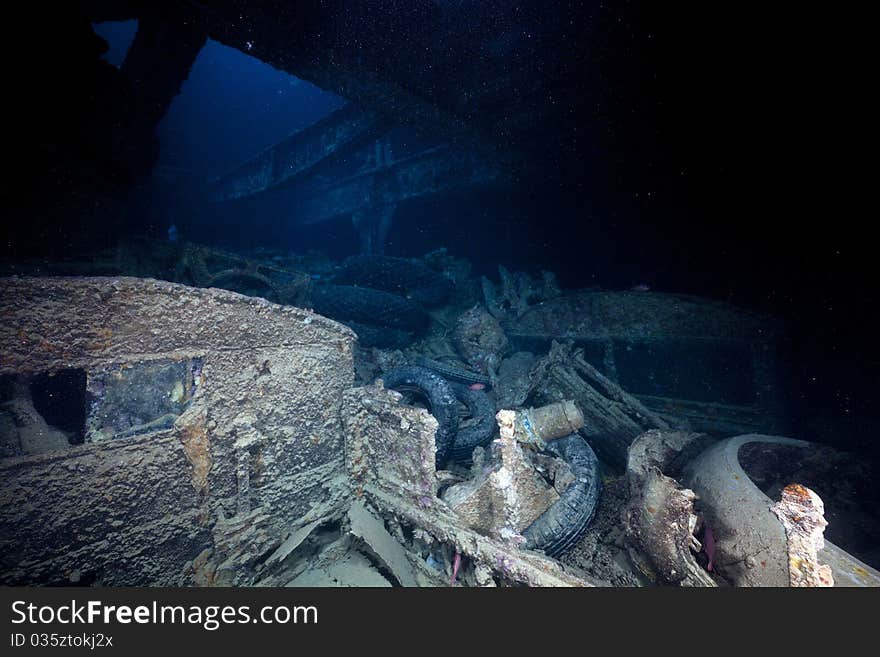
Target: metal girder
431,172
295,157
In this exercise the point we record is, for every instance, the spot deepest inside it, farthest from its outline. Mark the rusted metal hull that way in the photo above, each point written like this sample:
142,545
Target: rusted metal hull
254,451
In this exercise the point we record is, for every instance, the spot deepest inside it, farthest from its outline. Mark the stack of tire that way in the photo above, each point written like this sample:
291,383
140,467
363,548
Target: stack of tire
559,528
383,299
442,398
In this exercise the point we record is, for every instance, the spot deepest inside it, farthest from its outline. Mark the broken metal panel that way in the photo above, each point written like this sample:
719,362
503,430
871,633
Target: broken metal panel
372,530
257,448
402,458
124,513
300,154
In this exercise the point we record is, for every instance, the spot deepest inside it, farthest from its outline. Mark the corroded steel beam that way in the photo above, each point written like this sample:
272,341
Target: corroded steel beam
295,157
431,172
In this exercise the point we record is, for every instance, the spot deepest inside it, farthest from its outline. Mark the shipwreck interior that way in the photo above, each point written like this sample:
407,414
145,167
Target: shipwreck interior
435,293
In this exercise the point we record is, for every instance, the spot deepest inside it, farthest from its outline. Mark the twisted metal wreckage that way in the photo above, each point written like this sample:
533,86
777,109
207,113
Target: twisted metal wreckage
268,441
223,443
212,438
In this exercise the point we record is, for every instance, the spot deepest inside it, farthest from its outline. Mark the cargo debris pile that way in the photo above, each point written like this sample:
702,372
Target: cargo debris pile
458,432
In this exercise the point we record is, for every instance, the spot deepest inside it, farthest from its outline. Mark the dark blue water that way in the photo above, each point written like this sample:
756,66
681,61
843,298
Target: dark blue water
226,93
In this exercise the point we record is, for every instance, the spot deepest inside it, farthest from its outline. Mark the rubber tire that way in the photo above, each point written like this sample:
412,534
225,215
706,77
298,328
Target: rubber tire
560,527
481,408
398,275
361,304
452,373
440,398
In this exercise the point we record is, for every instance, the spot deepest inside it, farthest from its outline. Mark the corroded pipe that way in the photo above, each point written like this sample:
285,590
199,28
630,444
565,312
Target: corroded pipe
539,425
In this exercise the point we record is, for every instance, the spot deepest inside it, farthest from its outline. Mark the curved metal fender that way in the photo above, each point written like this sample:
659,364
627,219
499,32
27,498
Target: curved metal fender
750,542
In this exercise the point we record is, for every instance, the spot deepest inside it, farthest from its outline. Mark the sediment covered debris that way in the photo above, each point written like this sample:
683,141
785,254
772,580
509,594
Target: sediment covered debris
517,292
250,454
480,340
390,460
802,513
659,519
612,417
296,477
